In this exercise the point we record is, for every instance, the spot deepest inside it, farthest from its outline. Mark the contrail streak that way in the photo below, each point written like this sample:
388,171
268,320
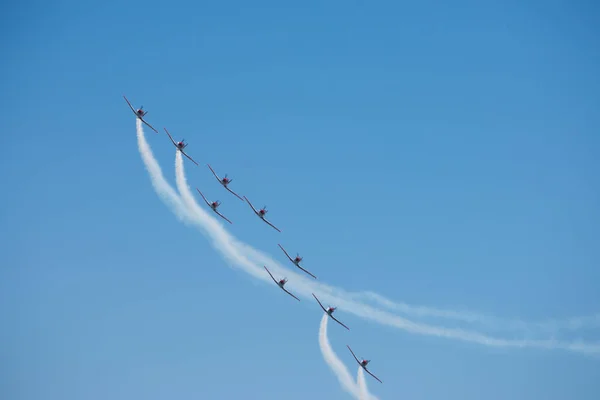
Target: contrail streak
337,366
250,260
502,324
363,391
212,229
161,187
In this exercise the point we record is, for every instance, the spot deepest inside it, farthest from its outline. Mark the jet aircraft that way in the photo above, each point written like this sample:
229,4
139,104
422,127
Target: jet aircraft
213,205
180,146
296,260
225,181
261,214
140,113
363,364
329,311
281,283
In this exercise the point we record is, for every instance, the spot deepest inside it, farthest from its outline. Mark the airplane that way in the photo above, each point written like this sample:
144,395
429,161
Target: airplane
180,146
214,206
261,214
330,311
224,181
281,283
140,113
295,260
363,364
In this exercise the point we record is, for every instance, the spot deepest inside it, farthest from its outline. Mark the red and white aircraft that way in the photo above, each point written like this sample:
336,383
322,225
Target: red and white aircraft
180,146
363,364
281,283
140,113
225,181
296,260
330,311
214,205
263,211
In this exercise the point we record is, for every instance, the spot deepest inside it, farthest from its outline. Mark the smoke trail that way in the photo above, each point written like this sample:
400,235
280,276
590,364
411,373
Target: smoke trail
212,229
250,260
339,369
362,385
162,188
552,326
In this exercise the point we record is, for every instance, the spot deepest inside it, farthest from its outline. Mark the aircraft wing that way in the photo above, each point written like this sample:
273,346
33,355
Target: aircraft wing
185,154
354,355
369,372
277,229
336,320
170,137
319,302
290,294
274,280
237,195
253,209
222,216
286,253
214,173
130,106
219,179
151,127
305,270
206,201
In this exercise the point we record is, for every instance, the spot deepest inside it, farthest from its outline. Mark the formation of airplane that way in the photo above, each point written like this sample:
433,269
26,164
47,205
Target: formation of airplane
329,311
225,181
296,260
140,113
213,205
281,283
261,214
363,364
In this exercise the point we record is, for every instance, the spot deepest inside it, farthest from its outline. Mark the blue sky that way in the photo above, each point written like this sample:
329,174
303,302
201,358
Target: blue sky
440,155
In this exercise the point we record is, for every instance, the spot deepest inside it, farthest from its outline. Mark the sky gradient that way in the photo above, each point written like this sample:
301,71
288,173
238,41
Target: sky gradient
442,156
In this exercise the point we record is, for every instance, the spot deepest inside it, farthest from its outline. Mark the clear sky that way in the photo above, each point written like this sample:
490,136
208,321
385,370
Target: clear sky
439,154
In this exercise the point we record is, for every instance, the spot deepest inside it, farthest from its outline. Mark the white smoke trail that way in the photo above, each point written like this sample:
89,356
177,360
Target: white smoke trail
211,228
363,391
552,326
339,369
162,188
250,260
